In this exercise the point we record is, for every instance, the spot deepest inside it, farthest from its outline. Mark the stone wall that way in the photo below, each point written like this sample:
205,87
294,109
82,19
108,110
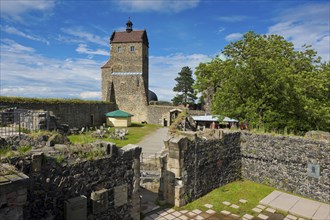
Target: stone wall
287,163
13,192
74,114
158,113
131,95
106,188
194,166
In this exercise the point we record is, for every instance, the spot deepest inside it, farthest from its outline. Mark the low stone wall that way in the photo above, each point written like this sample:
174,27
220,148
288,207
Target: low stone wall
293,164
74,114
194,166
106,188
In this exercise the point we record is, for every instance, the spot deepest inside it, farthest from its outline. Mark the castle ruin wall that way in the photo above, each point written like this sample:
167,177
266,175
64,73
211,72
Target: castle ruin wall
74,114
286,163
192,166
104,188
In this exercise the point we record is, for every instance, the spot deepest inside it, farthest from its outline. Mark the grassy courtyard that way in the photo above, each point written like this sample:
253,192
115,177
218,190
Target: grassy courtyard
135,134
233,192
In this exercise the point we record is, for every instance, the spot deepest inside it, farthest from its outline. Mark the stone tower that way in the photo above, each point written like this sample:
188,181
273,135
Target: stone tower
125,75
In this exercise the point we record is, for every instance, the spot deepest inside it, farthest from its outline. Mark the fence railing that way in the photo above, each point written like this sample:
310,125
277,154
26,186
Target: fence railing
19,121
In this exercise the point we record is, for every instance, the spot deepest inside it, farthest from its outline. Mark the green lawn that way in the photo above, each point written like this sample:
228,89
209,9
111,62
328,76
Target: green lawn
233,192
135,134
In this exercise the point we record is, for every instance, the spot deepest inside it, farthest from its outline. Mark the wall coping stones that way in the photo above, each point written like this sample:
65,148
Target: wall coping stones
10,178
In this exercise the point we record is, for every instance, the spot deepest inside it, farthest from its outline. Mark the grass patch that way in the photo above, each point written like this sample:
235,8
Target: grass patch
233,192
135,134
24,149
81,139
6,152
59,159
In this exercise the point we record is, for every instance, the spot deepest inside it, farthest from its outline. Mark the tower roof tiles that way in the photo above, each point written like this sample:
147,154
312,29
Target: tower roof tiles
129,37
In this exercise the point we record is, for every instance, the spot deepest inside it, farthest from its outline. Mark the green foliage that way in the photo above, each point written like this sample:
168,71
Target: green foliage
59,159
184,88
9,99
269,84
91,154
6,152
178,121
24,149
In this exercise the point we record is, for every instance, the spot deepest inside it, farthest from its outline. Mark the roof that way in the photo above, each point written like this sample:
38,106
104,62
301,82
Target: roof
129,37
152,96
118,114
212,118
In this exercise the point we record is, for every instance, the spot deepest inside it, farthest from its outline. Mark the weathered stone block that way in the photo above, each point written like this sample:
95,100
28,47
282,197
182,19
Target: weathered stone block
120,195
37,161
112,150
76,208
99,201
179,192
173,163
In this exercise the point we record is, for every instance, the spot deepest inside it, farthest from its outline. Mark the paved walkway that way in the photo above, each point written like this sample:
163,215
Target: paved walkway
154,142
297,206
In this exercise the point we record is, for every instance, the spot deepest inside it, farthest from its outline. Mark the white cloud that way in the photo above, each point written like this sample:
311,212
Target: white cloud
233,18
82,48
233,36
221,30
90,95
14,9
159,5
26,73
164,69
307,24
12,46
12,30
83,36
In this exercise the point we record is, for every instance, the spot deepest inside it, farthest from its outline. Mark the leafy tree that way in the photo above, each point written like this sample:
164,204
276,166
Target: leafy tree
265,81
185,92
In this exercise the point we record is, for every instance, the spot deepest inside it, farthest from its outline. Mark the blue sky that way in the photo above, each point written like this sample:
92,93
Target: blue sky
52,48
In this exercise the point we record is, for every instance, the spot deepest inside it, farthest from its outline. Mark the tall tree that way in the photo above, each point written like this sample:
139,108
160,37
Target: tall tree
185,92
266,81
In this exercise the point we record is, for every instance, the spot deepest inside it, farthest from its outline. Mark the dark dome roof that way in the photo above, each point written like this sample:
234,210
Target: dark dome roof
152,96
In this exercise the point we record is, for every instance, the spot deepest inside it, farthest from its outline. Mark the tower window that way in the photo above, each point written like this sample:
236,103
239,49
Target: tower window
132,48
120,49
